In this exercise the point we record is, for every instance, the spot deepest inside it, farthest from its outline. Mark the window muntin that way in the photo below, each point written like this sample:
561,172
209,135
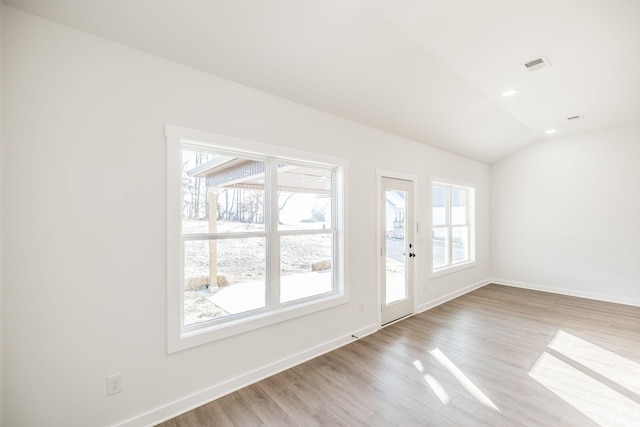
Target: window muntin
231,220
452,219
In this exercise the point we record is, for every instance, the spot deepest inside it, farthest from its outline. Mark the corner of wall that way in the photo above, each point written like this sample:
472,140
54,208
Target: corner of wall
545,200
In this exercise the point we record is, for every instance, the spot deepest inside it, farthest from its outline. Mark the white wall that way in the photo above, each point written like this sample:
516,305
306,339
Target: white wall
2,382
565,216
85,235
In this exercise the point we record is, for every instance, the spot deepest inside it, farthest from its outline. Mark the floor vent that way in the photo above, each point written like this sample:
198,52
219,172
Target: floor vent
536,64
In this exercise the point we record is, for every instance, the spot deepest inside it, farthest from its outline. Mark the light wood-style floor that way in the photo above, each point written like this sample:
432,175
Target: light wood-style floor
497,356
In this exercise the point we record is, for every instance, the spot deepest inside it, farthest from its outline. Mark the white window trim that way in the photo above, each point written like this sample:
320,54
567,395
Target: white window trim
180,337
471,221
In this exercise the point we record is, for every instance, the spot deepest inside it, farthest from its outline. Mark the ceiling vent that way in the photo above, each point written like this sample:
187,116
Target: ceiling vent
537,63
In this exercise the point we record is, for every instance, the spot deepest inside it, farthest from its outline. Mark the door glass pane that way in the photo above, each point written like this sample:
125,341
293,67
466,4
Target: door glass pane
439,247
459,244
438,203
223,278
221,194
304,197
396,289
458,206
306,266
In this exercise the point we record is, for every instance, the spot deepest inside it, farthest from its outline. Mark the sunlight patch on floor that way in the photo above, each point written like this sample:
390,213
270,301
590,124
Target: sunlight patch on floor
606,363
600,403
580,389
463,379
433,383
437,388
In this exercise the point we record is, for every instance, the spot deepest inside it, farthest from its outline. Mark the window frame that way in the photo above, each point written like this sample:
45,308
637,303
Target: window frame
451,267
181,337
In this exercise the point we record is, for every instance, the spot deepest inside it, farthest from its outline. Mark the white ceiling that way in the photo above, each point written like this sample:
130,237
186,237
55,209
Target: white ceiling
429,70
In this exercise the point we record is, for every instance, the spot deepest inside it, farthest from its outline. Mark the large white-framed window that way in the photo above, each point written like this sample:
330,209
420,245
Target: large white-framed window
453,219
255,235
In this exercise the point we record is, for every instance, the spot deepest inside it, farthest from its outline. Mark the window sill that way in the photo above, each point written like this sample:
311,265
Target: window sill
205,333
452,269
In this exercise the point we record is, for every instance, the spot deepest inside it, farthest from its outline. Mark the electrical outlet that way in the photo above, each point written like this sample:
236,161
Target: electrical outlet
114,383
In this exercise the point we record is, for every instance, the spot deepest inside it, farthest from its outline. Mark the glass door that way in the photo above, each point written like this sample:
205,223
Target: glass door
398,250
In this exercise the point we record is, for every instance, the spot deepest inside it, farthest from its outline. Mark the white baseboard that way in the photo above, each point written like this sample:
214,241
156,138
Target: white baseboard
182,405
187,403
438,301
568,292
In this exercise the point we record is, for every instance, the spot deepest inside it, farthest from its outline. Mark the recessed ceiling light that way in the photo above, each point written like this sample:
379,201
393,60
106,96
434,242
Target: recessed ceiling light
509,92
550,131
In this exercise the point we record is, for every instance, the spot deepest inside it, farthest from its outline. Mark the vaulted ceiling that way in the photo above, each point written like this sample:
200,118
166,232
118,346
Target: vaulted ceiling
429,70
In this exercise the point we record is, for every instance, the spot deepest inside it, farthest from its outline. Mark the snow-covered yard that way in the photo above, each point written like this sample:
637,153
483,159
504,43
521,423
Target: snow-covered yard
242,262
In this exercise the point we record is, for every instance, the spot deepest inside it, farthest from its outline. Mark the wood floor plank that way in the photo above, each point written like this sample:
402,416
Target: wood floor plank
498,356
296,408
206,415
264,407
238,410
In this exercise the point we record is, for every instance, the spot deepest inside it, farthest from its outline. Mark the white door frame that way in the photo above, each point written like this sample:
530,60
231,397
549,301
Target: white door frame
380,173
